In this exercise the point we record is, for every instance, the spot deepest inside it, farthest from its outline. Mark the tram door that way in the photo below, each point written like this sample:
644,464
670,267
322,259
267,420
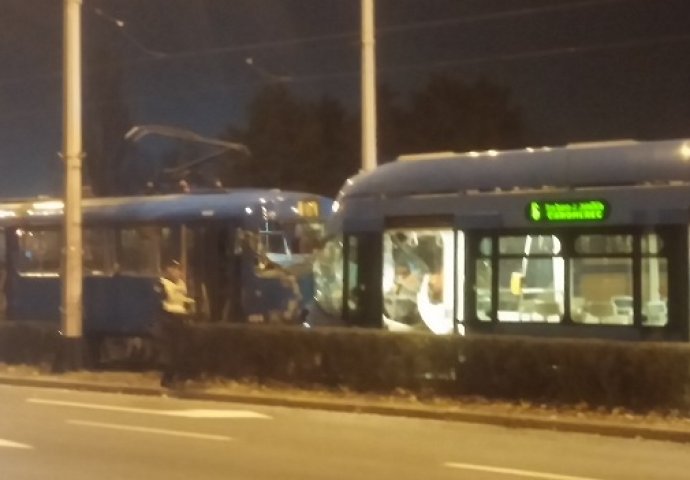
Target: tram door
362,299
213,273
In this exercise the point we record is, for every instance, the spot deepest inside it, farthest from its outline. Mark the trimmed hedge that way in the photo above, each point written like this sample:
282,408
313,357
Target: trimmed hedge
358,359
640,376
633,375
28,343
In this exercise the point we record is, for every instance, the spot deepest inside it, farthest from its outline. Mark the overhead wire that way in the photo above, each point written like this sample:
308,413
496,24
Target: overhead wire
381,30
155,55
450,63
533,54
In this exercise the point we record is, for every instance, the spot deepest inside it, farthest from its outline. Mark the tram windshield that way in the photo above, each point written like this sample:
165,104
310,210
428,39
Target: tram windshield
287,244
328,276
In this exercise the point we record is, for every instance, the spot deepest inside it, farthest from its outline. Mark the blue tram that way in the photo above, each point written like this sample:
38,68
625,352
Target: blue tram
589,240
246,255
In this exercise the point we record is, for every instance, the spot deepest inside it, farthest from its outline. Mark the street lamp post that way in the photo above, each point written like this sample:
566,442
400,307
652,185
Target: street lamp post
369,160
72,278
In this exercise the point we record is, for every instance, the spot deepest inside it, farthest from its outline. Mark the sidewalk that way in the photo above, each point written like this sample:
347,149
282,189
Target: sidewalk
573,419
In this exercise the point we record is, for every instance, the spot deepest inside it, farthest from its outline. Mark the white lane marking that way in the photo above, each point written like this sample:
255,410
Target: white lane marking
190,413
209,413
514,472
158,431
10,444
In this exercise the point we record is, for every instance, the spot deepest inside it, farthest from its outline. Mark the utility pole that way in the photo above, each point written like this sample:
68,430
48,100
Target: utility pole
369,160
72,275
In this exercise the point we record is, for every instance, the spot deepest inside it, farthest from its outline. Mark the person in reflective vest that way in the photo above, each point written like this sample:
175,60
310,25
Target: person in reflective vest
175,298
176,310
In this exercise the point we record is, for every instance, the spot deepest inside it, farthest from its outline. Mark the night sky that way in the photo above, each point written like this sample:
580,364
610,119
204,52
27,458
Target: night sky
579,70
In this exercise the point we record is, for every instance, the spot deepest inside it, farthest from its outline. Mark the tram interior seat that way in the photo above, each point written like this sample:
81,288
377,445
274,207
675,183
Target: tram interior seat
534,306
484,306
655,313
550,310
623,304
604,313
538,310
508,302
508,307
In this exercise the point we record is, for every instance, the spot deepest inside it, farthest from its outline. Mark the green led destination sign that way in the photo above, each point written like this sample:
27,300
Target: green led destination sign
569,211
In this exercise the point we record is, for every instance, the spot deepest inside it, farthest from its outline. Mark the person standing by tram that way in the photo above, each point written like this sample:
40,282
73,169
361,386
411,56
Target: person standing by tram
177,309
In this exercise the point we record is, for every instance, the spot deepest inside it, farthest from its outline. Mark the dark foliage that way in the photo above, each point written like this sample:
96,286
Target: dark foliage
461,116
314,145
297,144
28,344
638,376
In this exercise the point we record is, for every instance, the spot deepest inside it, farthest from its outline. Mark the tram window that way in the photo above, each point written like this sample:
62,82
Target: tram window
531,288
273,251
98,251
171,246
483,289
483,280
328,276
652,244
486,246
601,290
460,278
38,252
531,280
285,244
353,290
140,249
654,282
418,279
529,245
306,237
654,291
273,242
604,244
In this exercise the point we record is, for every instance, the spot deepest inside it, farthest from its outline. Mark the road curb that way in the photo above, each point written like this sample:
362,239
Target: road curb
76,385
611,429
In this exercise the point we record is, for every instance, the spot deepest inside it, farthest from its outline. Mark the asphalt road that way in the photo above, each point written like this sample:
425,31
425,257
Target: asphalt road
56,434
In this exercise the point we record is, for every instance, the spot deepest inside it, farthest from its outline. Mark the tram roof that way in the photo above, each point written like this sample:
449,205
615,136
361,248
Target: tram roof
575,166
229,204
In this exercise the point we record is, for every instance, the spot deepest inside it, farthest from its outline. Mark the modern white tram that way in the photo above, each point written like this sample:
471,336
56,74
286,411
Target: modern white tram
588,240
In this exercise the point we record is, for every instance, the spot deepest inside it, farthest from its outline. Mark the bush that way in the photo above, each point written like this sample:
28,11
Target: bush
362,360
27,343
639,376
634,375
